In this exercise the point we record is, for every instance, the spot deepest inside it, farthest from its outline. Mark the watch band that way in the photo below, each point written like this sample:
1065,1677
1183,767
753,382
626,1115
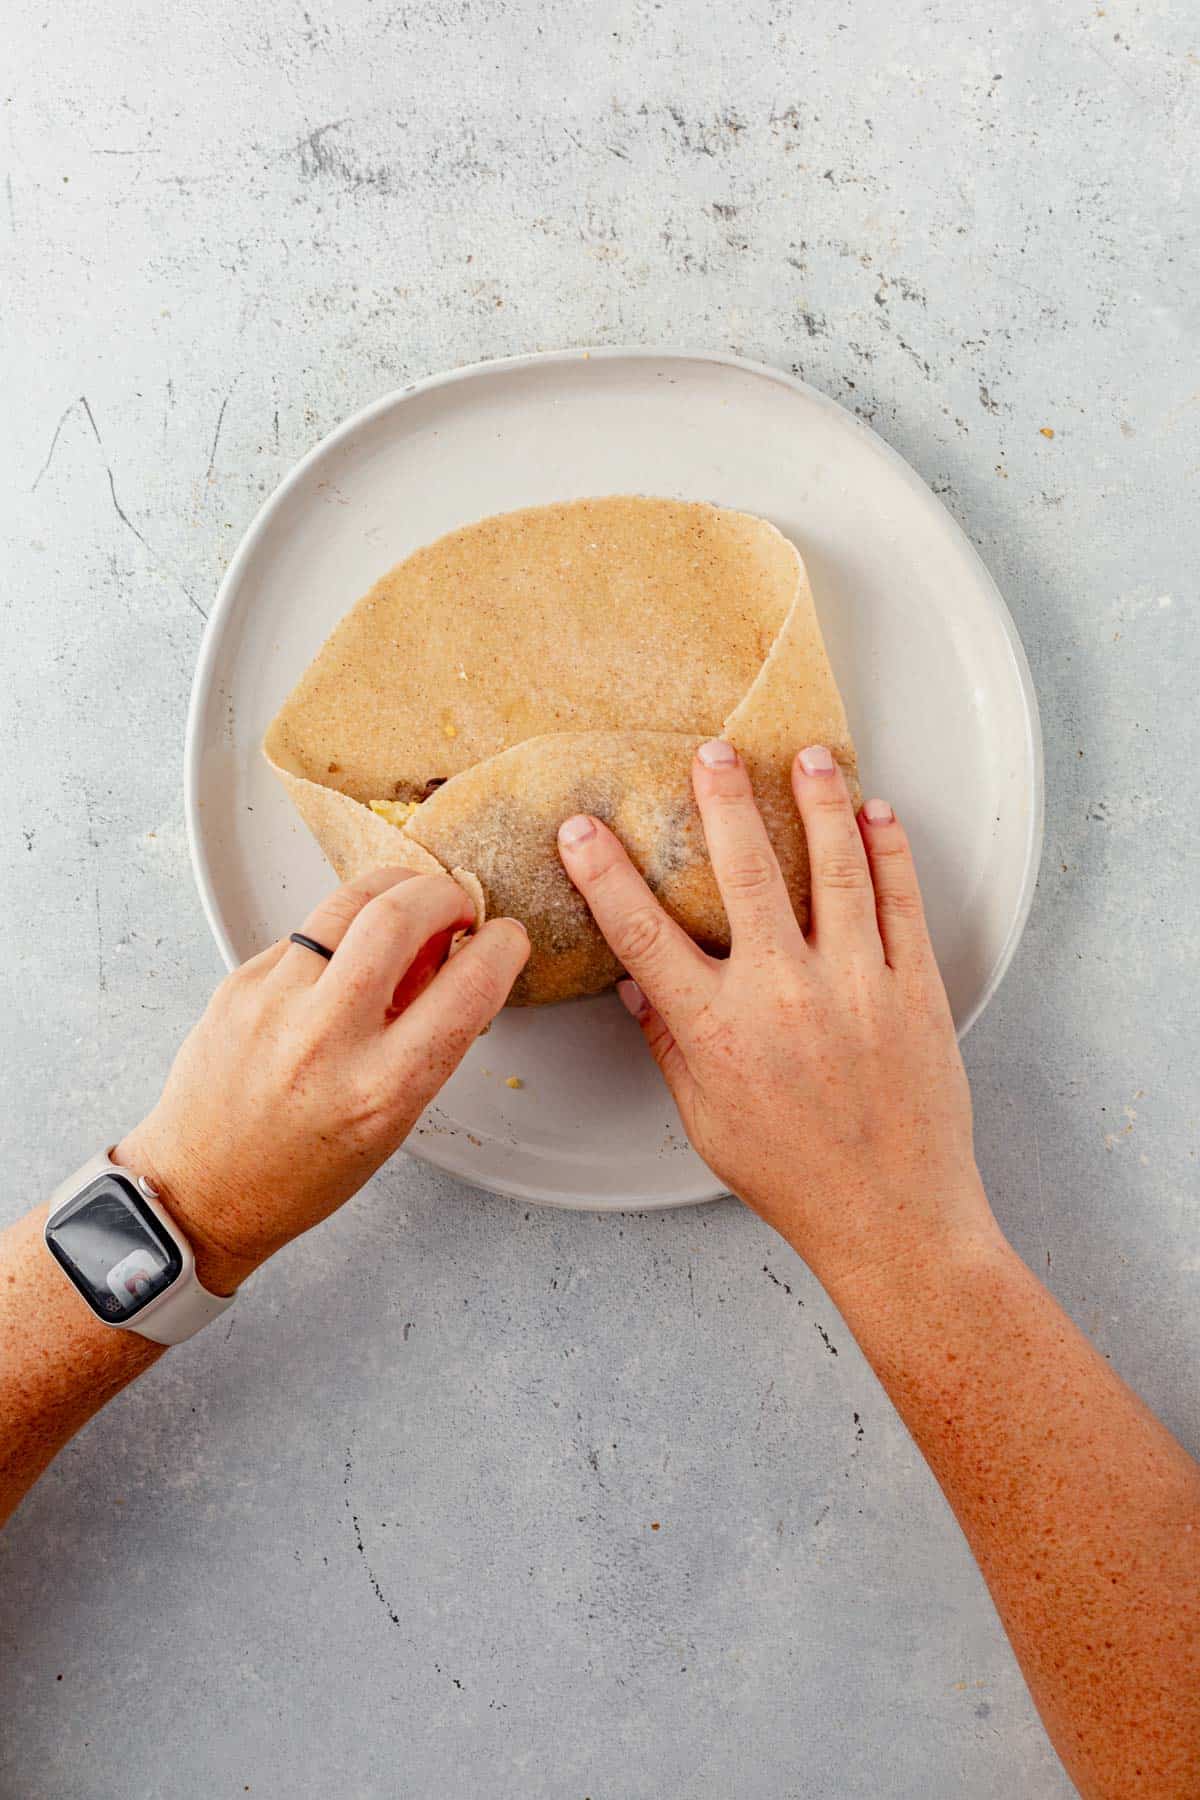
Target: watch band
186,1307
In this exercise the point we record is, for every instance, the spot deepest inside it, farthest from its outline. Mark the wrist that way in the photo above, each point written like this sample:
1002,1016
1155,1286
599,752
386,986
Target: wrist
949,1254
874,1242
221,1263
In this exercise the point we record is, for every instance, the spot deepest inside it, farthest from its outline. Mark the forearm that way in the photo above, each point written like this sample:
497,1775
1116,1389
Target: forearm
58,1364
1082,1510
304,1075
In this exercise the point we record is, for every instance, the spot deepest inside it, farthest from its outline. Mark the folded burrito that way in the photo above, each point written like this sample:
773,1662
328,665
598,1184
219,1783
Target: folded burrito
564,659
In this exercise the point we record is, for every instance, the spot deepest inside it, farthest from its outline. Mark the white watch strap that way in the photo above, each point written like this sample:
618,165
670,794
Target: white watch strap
186,1307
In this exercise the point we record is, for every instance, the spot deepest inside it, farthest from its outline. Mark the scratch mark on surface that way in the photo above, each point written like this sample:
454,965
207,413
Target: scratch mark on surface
319,158
1028,287
12,211
67,411
1172,418
825,1339
212,455
1041,1198
112,489
315,158
361,1547
1115,73
94,844
785,1286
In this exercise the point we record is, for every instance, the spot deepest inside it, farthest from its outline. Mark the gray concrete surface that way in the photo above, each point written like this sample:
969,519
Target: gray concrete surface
388,1530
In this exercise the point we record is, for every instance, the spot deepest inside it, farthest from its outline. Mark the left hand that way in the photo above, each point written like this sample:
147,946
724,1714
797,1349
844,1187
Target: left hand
303,1076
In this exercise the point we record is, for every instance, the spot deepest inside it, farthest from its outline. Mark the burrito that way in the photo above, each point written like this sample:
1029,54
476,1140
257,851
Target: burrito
563,659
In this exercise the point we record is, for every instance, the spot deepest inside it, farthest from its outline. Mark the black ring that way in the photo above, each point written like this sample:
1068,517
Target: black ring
307,943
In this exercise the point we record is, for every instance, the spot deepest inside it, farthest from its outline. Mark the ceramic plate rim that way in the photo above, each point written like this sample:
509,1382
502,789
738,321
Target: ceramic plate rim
231,581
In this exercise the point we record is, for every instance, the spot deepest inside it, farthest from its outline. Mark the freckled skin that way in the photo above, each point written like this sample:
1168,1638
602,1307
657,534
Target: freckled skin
300,1080
60,1364
820,1077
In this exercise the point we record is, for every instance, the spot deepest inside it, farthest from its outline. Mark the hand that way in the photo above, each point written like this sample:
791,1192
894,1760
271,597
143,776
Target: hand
819,1077
304,1076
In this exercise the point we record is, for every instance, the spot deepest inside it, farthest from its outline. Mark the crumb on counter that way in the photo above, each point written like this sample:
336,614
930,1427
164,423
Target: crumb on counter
1047,431
450,731
514,1081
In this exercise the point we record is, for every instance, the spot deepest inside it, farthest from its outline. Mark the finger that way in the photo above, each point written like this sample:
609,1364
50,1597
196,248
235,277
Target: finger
657,1033
757,903
658,953
420,972
898,905
427,1043
265,961
843,901
329,922
382,942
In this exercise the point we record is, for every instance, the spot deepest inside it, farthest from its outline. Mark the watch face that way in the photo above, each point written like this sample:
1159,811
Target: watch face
113,1248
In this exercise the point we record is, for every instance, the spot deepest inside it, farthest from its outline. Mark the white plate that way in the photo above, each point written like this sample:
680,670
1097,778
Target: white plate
934,678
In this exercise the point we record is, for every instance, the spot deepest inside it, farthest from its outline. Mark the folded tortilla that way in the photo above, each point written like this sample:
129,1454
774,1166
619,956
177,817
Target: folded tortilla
564,659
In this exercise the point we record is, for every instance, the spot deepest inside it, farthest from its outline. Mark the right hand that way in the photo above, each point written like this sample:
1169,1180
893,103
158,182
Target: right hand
819,1077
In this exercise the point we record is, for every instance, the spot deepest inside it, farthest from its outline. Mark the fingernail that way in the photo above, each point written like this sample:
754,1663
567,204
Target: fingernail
816,760
878,812
717,754
576,831
633,999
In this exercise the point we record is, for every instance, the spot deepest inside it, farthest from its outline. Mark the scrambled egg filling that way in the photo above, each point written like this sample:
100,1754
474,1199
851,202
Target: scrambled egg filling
396,812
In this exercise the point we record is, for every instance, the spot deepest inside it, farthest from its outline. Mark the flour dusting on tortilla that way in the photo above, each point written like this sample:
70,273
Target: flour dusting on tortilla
563,659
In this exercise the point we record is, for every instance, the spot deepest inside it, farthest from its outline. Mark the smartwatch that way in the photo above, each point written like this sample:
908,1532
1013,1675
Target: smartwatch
116,1243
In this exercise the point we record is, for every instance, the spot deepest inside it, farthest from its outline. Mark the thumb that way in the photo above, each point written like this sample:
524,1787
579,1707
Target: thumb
659,1041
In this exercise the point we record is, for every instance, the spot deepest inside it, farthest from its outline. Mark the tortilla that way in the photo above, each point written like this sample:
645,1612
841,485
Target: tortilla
564,659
